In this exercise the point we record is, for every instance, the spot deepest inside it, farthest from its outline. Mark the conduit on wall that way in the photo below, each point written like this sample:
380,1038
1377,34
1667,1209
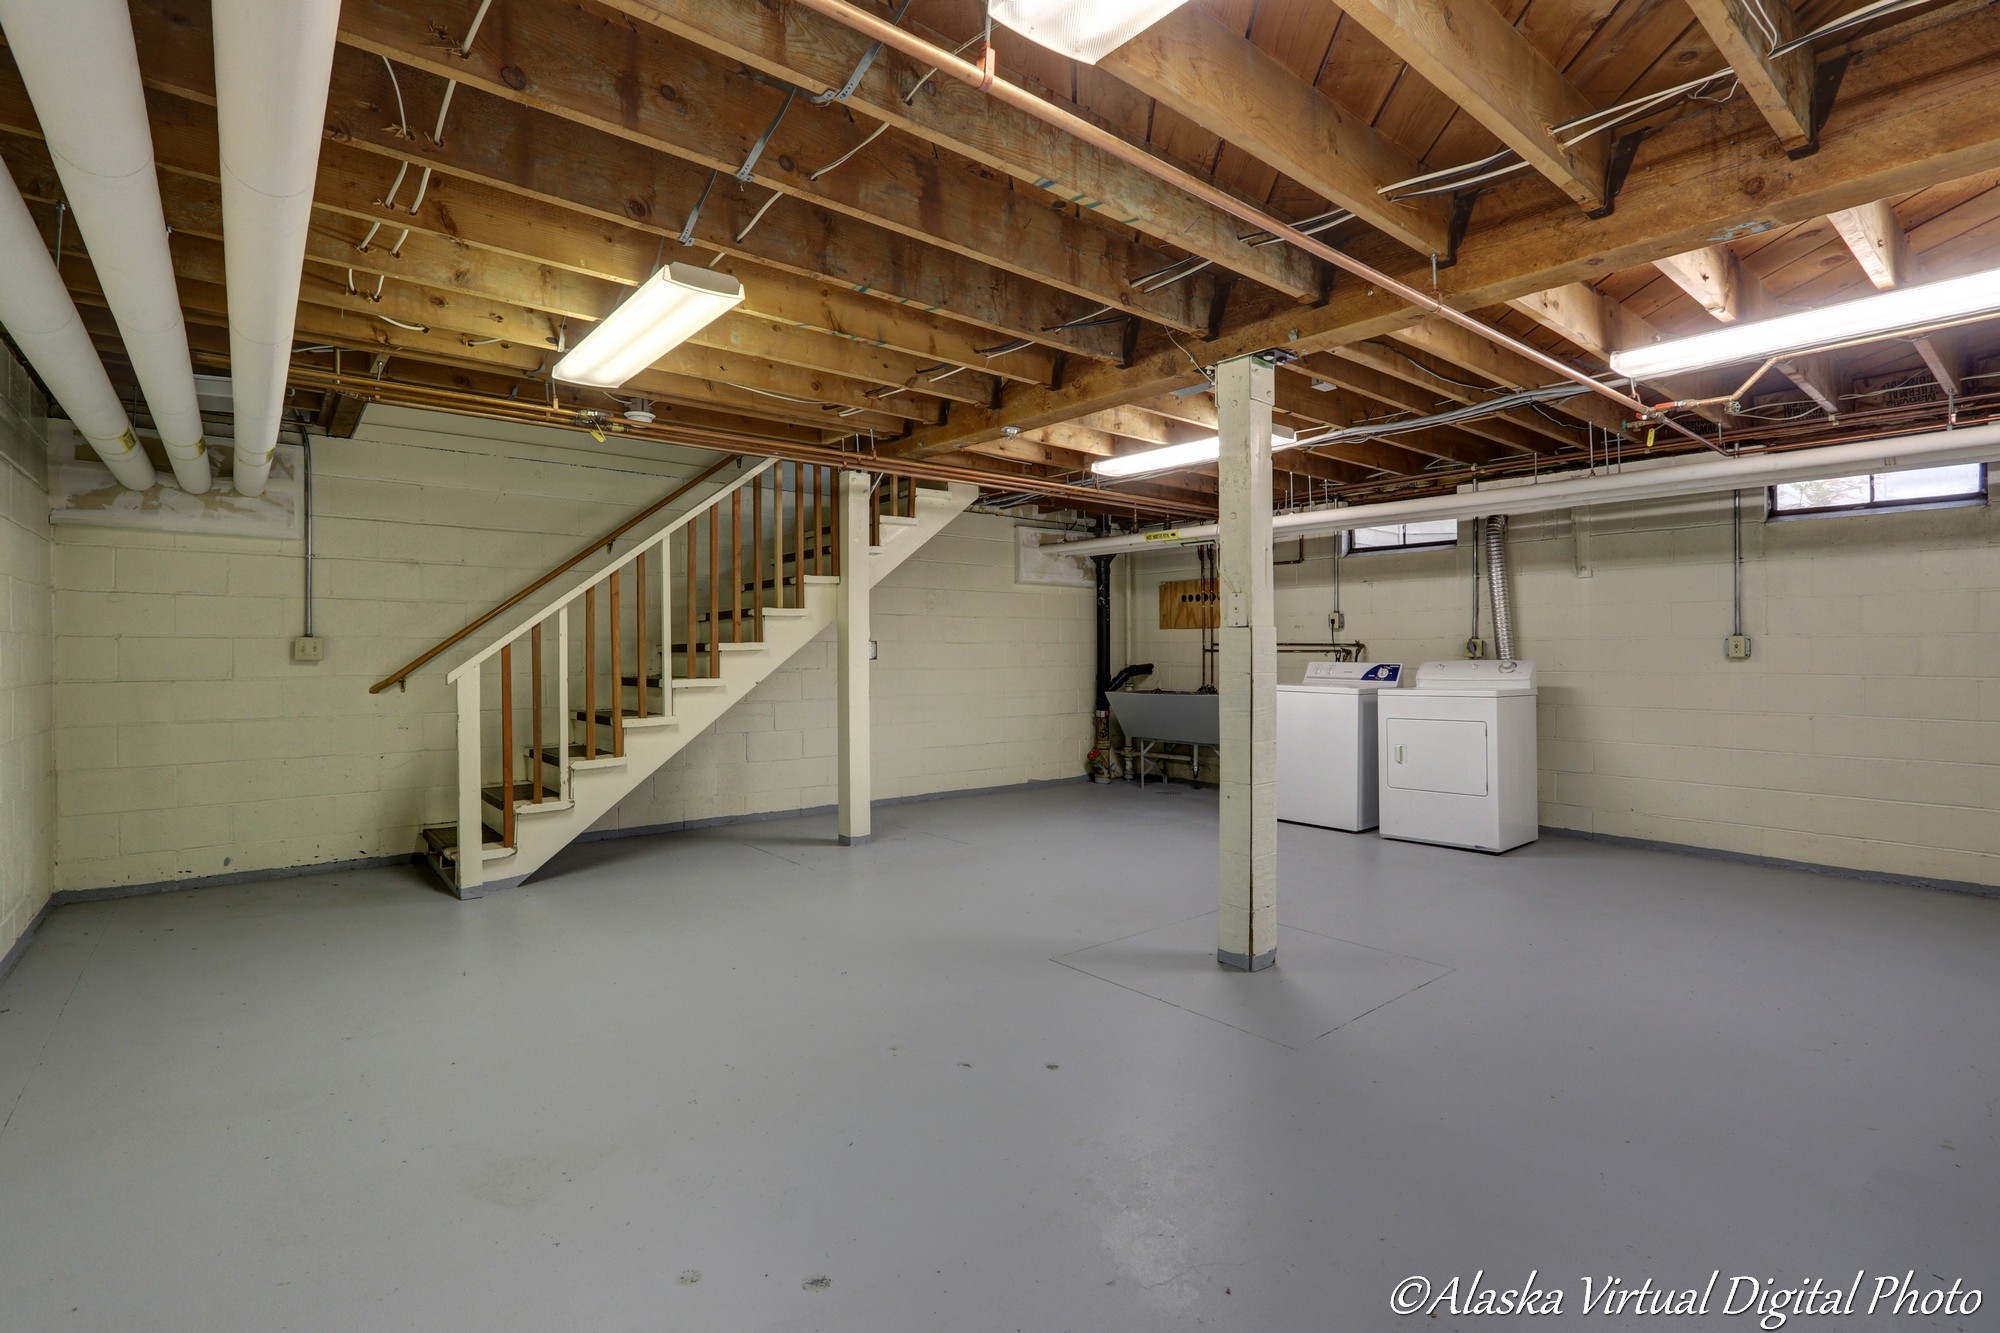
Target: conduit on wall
82,72
36,311
273,62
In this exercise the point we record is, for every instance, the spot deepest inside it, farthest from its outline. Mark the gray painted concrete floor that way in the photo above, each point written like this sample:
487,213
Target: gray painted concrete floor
982,1075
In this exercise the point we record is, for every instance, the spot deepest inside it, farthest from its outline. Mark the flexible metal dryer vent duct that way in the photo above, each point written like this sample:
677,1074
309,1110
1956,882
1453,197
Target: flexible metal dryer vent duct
1496,577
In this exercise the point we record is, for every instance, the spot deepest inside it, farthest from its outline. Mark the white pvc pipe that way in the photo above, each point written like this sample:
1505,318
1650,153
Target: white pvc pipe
37,313
273,62
82,71
1967,444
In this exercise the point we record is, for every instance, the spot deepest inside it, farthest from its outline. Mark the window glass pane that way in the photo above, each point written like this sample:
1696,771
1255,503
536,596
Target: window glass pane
1375,539
1827,493
1437,530
1931,483
1396,536
1882,490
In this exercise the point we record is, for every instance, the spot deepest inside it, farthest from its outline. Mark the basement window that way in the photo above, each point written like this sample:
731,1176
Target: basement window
1404,536
1920,488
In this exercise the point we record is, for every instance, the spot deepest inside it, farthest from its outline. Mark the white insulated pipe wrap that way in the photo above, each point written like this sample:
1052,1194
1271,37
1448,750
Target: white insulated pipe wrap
37,313
81,68
1966,444
273,62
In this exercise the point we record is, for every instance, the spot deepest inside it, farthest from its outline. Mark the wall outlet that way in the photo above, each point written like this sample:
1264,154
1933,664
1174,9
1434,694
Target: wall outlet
1737,646
308,648
1336,622
1475,649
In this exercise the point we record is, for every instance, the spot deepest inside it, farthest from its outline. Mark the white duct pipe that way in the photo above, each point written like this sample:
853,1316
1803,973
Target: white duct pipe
1967,444
273,62
82,71
37,313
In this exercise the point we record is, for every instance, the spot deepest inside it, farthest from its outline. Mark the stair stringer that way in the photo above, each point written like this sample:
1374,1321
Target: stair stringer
596,786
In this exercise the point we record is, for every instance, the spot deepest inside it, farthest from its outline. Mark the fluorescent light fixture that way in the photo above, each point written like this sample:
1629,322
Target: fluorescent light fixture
1192,454
667,309
1168,457
1086,30
1883,315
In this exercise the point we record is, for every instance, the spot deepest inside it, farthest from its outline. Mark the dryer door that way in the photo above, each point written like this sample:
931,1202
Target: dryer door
1434,754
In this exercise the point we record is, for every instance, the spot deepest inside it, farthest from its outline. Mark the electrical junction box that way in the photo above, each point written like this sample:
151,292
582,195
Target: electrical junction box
1738,647
1475,649
1336,622
308,648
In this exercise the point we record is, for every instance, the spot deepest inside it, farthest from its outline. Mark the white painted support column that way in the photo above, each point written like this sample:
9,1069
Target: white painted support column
1247,674
857,792
471,817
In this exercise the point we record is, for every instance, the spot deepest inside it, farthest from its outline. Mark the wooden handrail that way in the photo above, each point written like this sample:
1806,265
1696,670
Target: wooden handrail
403,672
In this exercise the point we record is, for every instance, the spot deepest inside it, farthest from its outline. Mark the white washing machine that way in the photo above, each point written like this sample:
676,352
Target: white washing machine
1458,756
1326,744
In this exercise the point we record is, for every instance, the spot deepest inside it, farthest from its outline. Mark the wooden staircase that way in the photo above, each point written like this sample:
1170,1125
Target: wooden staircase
629,659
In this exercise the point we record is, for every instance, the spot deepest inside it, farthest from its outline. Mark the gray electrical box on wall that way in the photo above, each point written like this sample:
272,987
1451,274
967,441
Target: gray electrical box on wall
308,648
1737,646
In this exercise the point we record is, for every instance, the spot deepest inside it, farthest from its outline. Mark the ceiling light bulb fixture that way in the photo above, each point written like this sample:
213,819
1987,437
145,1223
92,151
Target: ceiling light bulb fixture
662,313
1194,453
1086,30
1905,309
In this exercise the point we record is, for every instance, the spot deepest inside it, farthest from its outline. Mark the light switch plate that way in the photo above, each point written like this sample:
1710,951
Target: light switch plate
1737,646
308,648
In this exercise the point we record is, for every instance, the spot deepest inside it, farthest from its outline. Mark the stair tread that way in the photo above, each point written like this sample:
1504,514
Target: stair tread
553,755
524,795
604,718
443,838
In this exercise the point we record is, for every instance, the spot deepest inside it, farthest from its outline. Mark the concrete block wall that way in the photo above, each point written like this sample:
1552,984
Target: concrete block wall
979,682
189,744
1864,732
27,660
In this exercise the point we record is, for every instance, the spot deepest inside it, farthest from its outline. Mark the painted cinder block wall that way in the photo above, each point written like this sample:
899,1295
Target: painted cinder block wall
27,710
1863,733
190,745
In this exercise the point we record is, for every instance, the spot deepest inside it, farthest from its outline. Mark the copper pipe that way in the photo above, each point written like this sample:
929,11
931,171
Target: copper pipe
981,77
535,669
639,626
590,672
507,746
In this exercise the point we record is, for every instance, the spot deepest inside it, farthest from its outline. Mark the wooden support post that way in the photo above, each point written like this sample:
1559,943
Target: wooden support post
590,673
1247,682
714,589
471,865
852,617
693,594
639,629
535,726
736,565
617,675
562,704
507,745
757,556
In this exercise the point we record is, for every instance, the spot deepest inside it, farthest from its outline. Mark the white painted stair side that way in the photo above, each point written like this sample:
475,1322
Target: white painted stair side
596,786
